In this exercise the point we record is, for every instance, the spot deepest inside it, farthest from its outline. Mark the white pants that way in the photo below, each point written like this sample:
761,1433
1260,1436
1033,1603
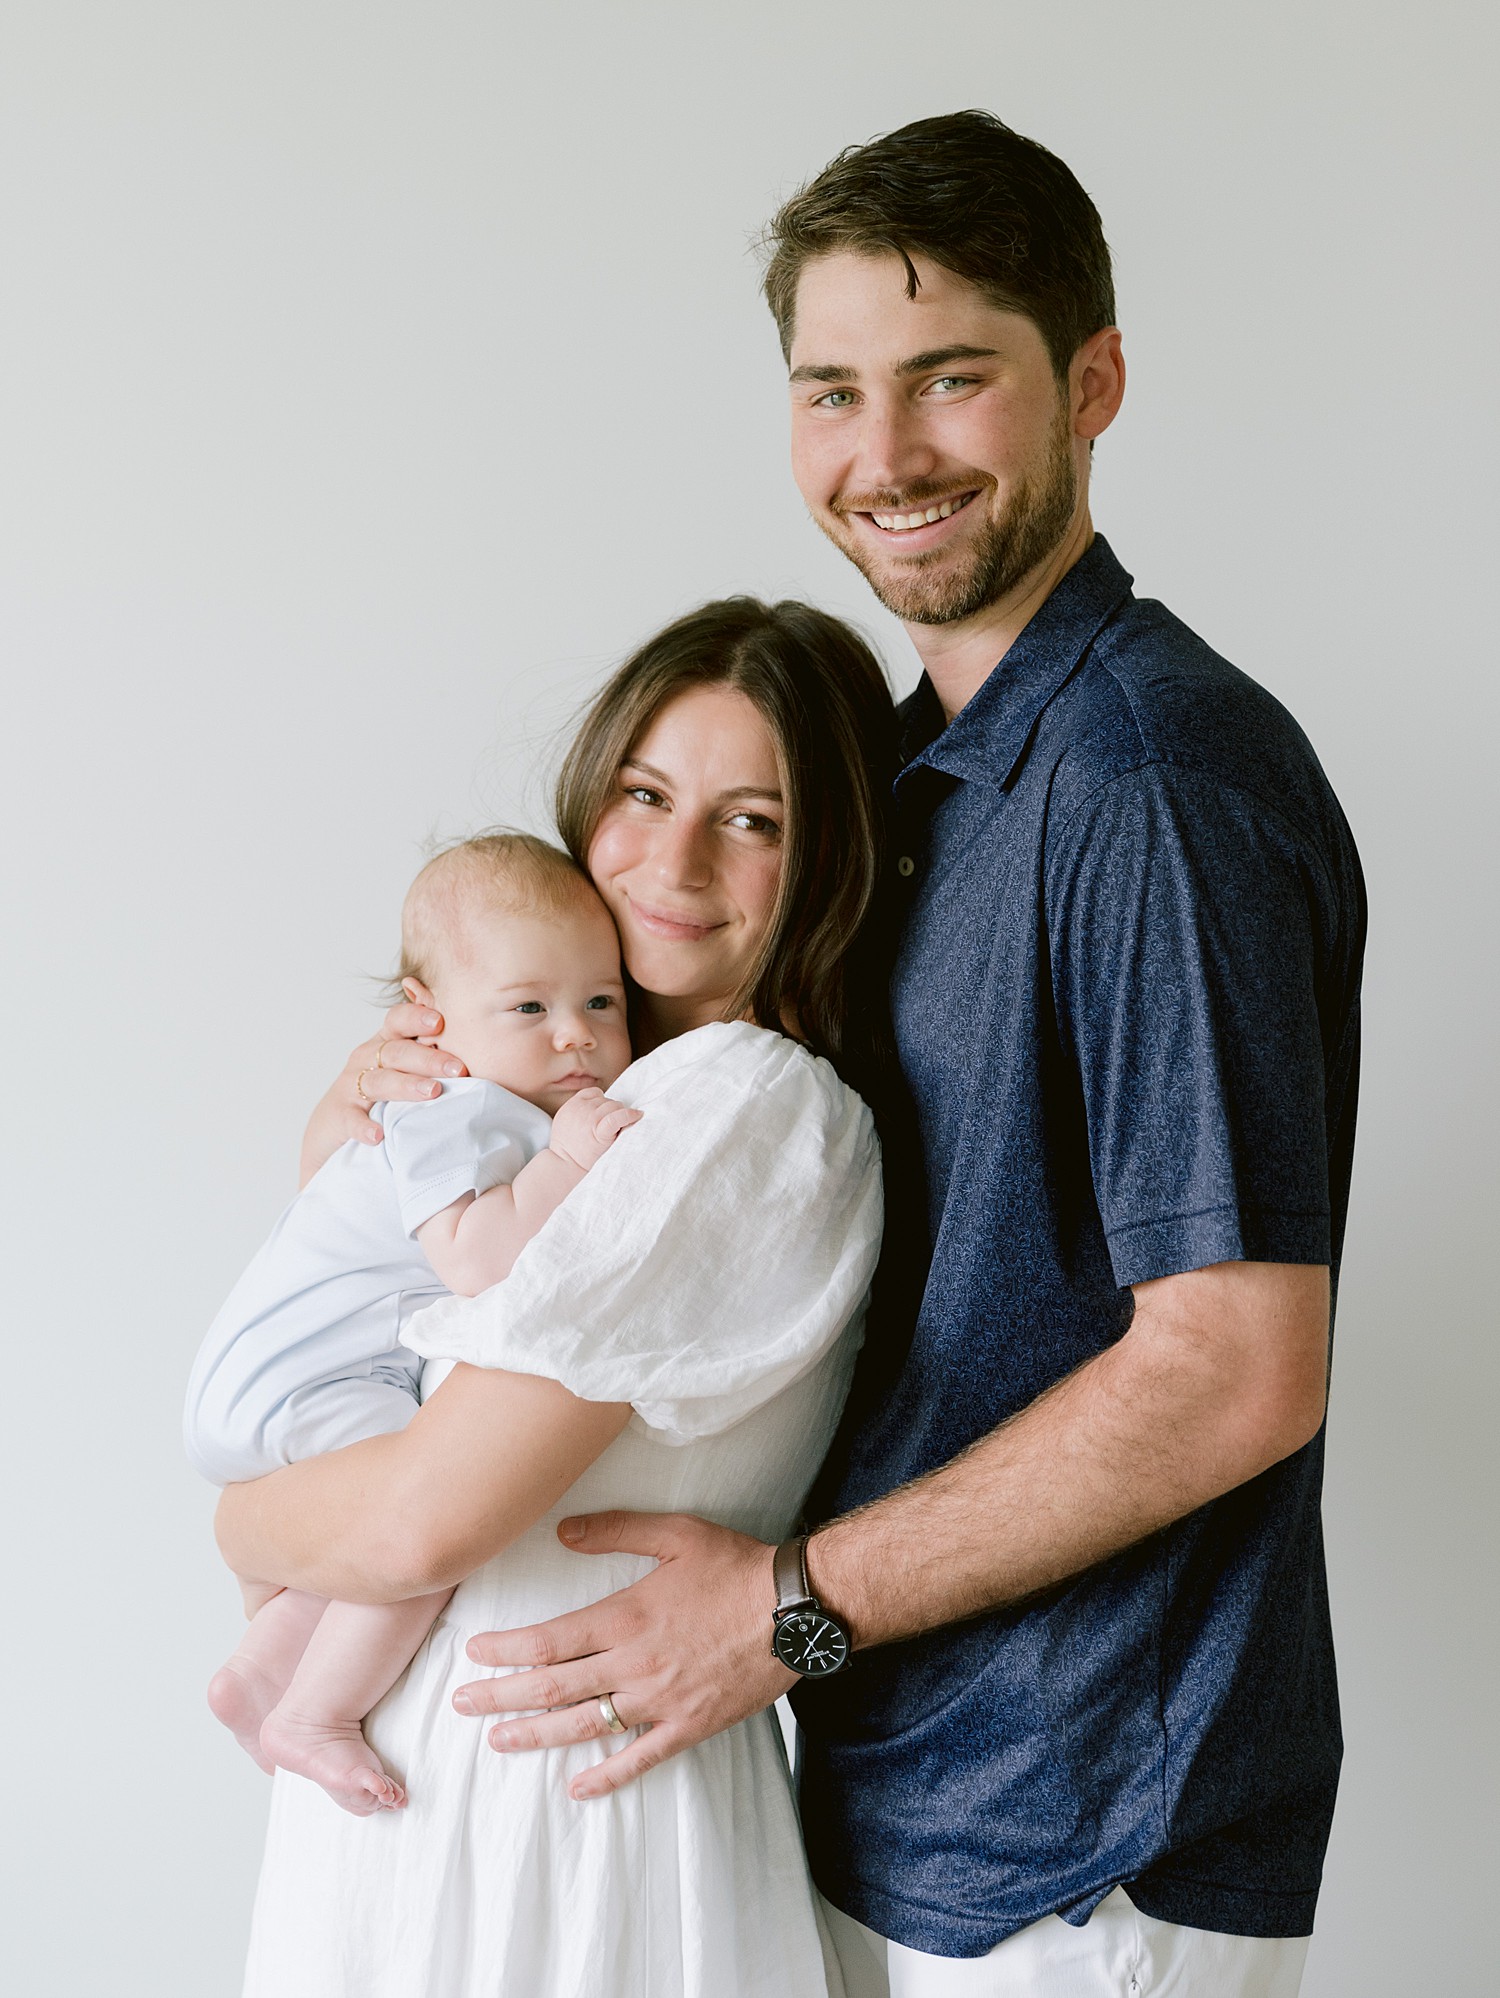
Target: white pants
1118,1953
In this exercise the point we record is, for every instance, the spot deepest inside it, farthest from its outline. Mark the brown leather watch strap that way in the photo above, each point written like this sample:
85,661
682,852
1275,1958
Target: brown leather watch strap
789,1573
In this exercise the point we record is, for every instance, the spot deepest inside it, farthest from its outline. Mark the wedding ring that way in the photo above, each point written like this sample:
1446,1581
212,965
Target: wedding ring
611,1719
359,1087
380,1055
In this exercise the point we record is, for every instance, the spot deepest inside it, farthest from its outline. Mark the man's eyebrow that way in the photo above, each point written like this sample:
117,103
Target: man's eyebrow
939,357
916,364
735,791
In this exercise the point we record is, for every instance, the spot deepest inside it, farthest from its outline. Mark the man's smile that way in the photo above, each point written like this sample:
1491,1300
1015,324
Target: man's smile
903,523
915,527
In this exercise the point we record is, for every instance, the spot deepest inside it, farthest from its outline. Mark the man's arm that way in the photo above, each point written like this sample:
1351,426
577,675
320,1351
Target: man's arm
1222,1373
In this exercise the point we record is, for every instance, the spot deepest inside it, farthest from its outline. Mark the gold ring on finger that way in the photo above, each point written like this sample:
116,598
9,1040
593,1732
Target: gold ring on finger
611,1719
359,1088
380,1053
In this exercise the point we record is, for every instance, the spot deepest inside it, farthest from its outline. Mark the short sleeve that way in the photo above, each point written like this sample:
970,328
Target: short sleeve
1183,924
712,1256
474,1136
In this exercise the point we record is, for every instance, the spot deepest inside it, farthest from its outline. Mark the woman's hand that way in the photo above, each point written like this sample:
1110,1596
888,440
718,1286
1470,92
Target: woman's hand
399,1064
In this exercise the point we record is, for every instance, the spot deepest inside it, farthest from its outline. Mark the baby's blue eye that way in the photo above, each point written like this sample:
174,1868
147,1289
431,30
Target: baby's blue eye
530,1006
597,1004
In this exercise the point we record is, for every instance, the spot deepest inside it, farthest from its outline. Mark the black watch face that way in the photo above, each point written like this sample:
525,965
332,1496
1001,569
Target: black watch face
811,1643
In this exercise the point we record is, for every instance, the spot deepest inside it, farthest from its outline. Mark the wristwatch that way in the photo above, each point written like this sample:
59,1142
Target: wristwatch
803,1634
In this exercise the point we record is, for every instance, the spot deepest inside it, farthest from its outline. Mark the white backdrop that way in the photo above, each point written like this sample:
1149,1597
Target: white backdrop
371,377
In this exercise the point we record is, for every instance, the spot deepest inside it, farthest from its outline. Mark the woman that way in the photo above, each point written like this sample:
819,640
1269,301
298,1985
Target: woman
679,1337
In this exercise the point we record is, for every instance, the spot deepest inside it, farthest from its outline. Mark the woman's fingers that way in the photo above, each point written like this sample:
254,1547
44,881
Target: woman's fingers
394,1067
397,1071
390,1084
409,1022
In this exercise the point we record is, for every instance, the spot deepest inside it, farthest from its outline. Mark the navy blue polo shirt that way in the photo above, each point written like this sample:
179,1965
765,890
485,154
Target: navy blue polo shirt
1126,1005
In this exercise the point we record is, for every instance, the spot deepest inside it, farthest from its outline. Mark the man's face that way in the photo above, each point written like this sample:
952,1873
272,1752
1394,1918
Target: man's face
942,406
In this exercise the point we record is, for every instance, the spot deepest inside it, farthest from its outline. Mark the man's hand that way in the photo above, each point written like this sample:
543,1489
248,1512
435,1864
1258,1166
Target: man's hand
685,1651
1221,1374
587,1125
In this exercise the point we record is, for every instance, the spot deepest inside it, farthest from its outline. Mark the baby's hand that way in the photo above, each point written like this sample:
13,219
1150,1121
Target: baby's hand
587,1125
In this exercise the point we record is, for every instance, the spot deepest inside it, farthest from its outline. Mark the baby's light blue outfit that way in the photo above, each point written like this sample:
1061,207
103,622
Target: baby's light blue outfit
306,1353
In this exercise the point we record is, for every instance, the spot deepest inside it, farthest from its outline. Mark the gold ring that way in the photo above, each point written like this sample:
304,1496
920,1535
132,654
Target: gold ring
359,1087
611,1719
380,1055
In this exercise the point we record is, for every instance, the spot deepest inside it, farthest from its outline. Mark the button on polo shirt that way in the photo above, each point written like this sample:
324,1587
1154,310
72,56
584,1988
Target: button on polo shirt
1127,1012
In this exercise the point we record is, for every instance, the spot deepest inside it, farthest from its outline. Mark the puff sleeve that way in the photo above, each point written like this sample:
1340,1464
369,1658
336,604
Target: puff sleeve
713,1255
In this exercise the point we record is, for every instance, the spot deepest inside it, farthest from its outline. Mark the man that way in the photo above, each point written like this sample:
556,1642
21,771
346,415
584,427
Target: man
1089,1734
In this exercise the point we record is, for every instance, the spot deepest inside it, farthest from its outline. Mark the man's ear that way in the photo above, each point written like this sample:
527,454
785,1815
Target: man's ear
1096,381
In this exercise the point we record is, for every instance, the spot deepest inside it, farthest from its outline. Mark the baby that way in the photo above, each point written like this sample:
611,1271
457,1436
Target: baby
505,937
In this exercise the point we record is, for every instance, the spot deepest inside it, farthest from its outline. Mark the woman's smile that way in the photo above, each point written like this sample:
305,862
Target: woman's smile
670,923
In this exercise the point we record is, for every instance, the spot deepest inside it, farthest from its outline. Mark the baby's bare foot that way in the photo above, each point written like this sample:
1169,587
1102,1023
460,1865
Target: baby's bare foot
240,1695
335,1755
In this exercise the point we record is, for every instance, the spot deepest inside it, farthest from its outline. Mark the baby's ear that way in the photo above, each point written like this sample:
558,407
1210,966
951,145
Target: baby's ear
418,993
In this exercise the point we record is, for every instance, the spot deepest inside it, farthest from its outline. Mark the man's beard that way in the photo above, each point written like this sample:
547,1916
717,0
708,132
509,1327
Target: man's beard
935,588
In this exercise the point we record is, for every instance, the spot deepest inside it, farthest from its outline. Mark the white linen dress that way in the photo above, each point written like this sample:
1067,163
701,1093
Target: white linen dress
712,1269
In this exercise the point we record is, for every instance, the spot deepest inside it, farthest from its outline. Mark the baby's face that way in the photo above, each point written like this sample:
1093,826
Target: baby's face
535,1002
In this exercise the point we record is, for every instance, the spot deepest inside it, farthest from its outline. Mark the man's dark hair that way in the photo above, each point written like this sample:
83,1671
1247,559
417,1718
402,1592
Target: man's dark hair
967,193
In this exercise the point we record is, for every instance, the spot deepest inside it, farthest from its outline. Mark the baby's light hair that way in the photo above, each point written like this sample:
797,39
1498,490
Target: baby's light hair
513,872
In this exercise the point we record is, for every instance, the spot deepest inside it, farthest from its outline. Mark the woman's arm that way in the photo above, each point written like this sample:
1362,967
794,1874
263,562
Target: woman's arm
406,1072
404,1515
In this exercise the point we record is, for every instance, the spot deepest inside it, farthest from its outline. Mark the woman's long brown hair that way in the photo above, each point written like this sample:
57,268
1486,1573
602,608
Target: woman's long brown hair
822,969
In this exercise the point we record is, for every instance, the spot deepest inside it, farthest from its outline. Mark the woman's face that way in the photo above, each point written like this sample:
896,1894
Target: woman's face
688,852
